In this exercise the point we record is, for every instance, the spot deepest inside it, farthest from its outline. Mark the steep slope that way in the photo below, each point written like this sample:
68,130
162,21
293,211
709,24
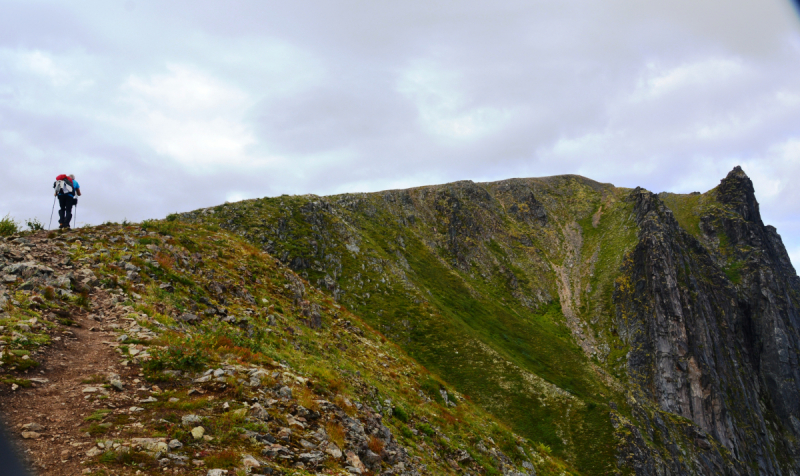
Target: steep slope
225,360
480,283
555,304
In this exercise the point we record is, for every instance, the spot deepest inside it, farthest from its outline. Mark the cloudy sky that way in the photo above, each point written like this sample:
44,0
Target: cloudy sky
172,106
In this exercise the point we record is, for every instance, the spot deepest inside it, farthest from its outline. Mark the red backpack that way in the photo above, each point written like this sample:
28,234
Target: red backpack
63,185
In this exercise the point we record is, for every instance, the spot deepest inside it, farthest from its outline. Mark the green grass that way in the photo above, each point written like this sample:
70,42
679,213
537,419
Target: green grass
97,429
687,209
733,271
98,415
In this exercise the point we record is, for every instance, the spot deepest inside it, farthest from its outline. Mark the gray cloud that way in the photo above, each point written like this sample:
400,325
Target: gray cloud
165,106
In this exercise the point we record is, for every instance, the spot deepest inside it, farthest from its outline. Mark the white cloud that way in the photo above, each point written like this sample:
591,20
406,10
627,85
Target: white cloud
444,108
775,173
794,256
656,80
191,117
43,64
321,97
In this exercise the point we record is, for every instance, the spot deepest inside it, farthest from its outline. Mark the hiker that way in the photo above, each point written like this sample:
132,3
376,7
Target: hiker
66,187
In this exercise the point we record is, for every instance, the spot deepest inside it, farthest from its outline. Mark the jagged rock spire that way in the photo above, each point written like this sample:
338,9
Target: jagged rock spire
736,190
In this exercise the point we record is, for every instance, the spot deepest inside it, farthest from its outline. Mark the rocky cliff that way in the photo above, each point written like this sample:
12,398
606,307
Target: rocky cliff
712,322
630,332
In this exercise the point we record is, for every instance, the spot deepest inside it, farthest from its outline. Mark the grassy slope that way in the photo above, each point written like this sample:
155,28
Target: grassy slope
467,323
688,208
340,364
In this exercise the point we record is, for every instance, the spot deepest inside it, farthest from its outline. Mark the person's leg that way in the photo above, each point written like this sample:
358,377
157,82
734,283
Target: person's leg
62,208
68,213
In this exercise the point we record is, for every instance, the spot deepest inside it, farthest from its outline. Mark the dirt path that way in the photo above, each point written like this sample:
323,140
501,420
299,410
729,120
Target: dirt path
58,403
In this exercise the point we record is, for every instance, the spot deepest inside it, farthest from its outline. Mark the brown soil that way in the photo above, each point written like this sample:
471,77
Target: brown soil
58,405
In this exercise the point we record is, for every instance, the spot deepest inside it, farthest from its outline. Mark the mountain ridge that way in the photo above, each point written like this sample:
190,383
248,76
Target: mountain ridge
528,270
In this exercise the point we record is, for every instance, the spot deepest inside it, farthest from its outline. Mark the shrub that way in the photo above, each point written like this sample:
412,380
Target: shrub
307,398
96,429
49,293
165,260
375,444
34,224
172,217
543,448
82,300
335,433
431,388
225,459
127,458
406,432
425,428
8,226
345,404
326,382
400,414
178,356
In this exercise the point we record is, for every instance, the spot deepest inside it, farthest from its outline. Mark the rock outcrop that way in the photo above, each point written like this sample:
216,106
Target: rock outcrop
718,349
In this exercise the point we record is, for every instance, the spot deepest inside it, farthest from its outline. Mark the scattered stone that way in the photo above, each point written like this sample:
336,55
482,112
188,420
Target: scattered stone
32,427
354,461
259,412
284,434
198,432
333,450
249,462
153,445
217,472
175,444
93,451
313,458
307,444
285,392
30,435
187,420
188,318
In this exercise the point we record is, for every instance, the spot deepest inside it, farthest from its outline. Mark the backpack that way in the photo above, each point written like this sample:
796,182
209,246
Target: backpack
63,185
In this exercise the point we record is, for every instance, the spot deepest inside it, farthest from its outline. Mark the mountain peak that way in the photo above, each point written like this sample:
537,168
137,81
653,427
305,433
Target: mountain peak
736,190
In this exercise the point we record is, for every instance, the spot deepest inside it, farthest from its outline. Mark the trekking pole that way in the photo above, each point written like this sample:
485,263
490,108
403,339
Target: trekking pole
49,225
76,213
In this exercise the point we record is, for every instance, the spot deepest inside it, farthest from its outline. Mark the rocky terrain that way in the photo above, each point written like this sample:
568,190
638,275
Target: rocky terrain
628,332
167,348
